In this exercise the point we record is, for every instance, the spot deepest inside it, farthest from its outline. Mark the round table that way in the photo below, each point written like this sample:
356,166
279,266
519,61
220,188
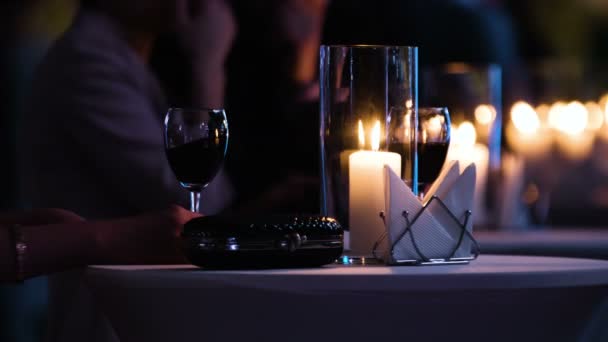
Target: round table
495,298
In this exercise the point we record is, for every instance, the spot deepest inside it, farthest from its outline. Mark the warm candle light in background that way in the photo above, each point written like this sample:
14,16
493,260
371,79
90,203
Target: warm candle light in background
484,117
603,105
571,119
407,126
466,150
525,132
433,128
596,116
361,135
605,108
570,122
366,190
555,114
485,114
603,102
543,113
525,119
466,136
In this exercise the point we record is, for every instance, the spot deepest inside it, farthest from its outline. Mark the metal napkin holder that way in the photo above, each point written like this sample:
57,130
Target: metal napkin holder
409,229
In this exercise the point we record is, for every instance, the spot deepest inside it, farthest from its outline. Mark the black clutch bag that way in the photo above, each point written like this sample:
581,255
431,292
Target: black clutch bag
269,242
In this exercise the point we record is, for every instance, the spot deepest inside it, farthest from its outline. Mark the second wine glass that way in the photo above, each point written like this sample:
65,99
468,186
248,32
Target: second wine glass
434,131
196,141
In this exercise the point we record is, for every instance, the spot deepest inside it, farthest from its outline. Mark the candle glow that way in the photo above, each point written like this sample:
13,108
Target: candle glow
573,119
543,112
406,125
465,135
526,132
361,135
375,136
524,118
555,114
570,122
485,114
596,116
432,128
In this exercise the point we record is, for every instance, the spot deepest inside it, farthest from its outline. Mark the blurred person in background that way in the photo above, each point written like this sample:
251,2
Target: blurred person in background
91,139
272,93
92,135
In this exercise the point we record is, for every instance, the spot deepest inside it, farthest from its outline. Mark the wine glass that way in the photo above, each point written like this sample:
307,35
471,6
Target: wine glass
434,130
195,142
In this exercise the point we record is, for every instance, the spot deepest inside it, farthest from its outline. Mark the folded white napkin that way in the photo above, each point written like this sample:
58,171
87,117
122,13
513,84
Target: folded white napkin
435,232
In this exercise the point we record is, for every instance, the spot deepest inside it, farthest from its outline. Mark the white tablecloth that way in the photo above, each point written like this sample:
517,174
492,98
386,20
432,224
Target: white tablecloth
579,243
495,298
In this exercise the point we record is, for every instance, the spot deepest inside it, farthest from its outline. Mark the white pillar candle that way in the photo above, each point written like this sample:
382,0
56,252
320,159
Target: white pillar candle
366,194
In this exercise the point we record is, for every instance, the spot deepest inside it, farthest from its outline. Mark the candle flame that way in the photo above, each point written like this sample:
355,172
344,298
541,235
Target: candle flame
485,114
361,135
375,138
524,118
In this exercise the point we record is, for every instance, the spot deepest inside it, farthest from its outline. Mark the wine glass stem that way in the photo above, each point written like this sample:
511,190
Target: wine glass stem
195,201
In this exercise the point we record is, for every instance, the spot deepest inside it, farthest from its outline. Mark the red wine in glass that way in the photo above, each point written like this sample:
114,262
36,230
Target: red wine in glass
196,163
431,157
196,141
434,129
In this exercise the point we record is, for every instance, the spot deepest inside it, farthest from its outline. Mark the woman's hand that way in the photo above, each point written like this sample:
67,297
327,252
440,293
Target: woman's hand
40,217
149,238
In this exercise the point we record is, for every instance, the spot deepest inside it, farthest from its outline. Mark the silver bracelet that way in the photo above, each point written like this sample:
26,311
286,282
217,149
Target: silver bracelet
17,239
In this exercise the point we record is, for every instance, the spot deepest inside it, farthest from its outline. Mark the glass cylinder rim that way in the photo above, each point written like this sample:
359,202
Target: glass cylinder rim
368,46
195,109
438,108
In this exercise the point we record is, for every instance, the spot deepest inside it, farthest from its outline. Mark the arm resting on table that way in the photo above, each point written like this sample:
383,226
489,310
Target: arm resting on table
149,238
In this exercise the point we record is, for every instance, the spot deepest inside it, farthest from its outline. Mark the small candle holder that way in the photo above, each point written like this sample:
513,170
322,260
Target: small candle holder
368,120
437,231
420,256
